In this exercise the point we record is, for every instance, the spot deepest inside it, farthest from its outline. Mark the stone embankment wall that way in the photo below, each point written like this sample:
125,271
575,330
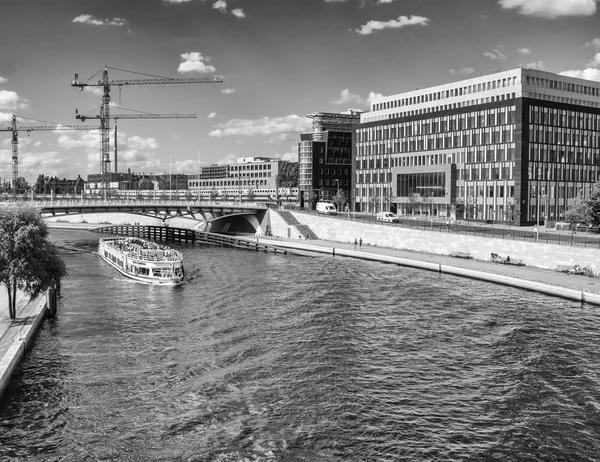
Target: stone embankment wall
539,255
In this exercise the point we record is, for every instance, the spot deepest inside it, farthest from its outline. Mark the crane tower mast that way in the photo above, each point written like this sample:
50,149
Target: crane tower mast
105,83
15,140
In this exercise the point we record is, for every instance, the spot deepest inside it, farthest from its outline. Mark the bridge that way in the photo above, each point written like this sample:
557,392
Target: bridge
218,216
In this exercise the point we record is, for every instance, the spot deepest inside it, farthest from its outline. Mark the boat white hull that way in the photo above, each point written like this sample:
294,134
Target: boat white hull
144,279
138,260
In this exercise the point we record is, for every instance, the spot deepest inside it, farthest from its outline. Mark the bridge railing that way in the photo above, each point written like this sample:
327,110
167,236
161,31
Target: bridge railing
78,202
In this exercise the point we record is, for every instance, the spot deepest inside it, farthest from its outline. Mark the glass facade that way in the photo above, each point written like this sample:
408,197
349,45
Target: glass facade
480,141
424,184
564,157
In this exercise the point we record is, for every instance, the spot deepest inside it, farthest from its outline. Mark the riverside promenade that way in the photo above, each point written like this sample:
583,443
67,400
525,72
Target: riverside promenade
551,282
18,334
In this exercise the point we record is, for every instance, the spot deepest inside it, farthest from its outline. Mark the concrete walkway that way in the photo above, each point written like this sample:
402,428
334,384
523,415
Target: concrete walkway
520,276
17,334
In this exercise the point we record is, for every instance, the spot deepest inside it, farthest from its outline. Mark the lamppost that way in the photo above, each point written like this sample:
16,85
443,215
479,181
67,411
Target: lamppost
537,228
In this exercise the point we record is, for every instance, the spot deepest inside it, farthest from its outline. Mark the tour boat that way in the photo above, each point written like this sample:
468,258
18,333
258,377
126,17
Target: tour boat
142,260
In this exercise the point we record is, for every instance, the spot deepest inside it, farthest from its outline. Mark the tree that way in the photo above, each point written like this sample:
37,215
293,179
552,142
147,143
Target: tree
212,194
578,212
414,201
250,195
459,207
339,199
288,175
512,212
593,202
28,260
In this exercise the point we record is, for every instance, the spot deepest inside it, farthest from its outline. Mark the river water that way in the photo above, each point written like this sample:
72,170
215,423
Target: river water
270,357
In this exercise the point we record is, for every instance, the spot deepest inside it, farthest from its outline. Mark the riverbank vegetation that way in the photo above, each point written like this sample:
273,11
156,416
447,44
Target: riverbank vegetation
28,260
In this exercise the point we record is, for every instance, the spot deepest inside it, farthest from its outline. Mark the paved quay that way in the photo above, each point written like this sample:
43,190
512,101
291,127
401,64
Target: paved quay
527,277
18,334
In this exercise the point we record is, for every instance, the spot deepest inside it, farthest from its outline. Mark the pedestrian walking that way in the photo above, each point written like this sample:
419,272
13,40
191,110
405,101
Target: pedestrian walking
355,242
448,224
360,243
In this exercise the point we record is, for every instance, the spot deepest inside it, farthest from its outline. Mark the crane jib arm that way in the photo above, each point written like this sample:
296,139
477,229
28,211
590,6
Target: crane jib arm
77,83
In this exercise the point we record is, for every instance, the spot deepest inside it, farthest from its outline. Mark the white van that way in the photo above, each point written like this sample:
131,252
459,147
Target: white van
326,208
388,217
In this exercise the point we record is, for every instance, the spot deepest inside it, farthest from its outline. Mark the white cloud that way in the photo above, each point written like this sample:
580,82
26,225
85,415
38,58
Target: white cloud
98,91
238,13
177,1
594,43
534,65
195,62
524,51
229,159
587,74
8,99
374,97
212,115
402,21
279,138
11,100
379,2
290,156
89,19
37,144
227,91
220,5
346,96
462,71
552,9
3,80
495,54
595,62
265,126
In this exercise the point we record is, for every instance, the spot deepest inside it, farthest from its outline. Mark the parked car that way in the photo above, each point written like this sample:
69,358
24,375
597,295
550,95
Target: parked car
388,217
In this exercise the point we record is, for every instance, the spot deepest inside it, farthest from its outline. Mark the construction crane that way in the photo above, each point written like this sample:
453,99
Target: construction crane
106,84
116,117
15,140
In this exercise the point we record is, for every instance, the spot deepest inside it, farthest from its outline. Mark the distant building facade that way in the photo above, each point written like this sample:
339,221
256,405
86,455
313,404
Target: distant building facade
477,147
55,185
253,178
325,157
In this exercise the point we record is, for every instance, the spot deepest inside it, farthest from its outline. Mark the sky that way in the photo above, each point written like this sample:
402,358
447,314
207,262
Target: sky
279,60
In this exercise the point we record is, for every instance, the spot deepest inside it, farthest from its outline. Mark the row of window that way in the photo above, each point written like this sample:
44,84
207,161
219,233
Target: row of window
215,183
467,138
443,107
563,86
332,182
243,167
562,99
492,153
553,172
564,155
563,136
444,94
564,118
471,193
452,123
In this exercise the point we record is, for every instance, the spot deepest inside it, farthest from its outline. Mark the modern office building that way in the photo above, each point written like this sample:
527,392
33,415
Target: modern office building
477,146
325,156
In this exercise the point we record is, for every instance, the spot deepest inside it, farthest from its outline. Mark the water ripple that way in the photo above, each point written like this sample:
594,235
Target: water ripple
267,357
